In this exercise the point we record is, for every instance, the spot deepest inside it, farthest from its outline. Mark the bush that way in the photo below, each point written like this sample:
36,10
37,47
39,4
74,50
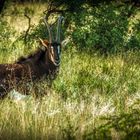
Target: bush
134,41
104,28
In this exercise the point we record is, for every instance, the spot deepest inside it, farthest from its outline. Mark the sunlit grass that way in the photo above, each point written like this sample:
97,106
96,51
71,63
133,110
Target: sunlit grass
53,118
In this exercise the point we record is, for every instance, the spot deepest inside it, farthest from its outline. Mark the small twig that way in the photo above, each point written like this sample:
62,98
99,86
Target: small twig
52,8
28,29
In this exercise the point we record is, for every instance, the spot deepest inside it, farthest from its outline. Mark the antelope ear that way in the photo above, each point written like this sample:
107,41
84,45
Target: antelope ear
45,43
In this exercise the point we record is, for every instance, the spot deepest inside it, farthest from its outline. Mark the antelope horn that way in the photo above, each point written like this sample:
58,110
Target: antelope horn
60,19
48,28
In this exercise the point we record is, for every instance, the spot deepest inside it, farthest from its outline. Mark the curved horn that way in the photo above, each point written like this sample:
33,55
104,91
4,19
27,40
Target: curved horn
60,19
48,28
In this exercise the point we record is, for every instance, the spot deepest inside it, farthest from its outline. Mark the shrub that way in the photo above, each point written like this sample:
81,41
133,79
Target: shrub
103,28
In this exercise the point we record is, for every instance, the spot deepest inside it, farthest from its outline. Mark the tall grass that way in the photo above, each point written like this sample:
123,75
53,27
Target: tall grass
93,97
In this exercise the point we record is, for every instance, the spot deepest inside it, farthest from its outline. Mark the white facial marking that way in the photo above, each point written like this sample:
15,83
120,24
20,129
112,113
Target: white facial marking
58,49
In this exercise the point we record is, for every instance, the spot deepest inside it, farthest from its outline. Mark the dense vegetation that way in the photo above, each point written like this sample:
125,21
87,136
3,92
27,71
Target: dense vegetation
97,92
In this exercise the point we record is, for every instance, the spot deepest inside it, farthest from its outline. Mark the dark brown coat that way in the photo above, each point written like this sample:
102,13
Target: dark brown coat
25,70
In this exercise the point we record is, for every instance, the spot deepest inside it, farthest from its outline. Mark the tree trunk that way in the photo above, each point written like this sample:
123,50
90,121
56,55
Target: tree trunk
2,2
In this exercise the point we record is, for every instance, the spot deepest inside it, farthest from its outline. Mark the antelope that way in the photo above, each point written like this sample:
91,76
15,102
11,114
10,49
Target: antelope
44,62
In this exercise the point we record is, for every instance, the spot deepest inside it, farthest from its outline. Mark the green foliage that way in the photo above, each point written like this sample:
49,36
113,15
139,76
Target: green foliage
6,34
39,31
103,28
134,41
125,125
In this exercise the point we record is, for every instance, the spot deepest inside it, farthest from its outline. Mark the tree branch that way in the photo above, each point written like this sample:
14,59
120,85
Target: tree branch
28,29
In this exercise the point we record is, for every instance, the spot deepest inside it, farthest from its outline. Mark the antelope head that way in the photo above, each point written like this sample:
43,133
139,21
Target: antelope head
54,44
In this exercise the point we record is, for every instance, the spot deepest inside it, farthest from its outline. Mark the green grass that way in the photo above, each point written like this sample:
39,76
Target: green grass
90,91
